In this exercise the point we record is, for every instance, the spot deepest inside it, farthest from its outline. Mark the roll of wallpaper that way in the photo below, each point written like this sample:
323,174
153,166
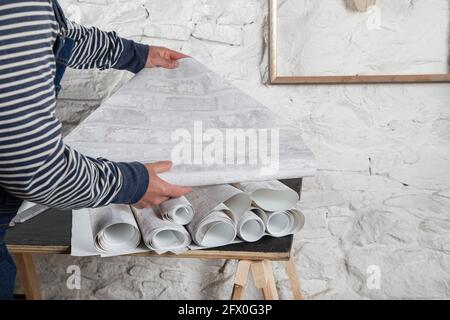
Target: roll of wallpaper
217,211
161,235
270,196
213,229
250,227
114,229
281,223
177,210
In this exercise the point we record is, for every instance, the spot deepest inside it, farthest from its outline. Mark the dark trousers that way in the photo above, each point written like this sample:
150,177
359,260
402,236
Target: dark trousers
8,209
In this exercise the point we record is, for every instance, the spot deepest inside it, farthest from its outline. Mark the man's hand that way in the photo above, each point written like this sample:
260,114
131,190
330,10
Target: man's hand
163,57
159,190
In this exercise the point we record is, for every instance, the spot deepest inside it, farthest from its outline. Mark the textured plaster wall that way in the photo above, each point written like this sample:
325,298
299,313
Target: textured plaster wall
381,196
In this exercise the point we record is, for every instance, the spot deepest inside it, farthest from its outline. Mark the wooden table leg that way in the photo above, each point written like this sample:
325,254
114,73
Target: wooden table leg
271,290
240,280
264,279
27,273
293,278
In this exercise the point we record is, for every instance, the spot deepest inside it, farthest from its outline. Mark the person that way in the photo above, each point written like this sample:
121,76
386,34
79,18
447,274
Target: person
37,43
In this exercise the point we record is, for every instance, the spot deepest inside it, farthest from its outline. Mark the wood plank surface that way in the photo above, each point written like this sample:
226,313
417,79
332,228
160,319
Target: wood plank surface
50,232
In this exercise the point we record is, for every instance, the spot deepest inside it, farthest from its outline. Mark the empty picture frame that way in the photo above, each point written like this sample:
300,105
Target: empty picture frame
358,41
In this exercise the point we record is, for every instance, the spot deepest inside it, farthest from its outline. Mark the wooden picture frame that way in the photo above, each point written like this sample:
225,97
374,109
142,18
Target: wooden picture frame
275,78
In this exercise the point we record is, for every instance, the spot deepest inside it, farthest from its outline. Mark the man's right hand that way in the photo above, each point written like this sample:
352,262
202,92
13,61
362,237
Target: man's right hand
159,190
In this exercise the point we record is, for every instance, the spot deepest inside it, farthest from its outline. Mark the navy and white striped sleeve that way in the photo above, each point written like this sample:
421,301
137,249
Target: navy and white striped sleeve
103,50
34,162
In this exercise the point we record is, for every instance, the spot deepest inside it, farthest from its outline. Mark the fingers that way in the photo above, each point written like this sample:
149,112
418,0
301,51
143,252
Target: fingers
159,190
163,57
172,64
177,191
170,190
161,166
176,55
167,63
150,202
159,199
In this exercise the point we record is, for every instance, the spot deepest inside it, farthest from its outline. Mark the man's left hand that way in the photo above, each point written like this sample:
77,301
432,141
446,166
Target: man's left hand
163,57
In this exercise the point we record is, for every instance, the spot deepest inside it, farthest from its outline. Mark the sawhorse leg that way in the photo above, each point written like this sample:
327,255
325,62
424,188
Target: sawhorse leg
293,279
263,279
241,279
27,273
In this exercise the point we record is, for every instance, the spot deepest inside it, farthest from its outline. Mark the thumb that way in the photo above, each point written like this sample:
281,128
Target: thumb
161,166
168,63
177,191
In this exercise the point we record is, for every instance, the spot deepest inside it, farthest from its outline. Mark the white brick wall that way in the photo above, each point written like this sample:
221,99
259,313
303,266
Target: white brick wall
381,196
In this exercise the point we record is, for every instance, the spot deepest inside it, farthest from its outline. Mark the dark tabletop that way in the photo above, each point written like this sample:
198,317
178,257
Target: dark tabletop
53,228
51,231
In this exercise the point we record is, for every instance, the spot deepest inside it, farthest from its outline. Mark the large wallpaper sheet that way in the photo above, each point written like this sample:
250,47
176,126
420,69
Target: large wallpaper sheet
212,131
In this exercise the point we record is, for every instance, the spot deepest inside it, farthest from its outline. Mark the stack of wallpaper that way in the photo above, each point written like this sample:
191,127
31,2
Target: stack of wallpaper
208,217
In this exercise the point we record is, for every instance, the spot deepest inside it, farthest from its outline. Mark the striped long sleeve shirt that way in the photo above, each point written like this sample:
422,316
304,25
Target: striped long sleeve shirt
35,164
